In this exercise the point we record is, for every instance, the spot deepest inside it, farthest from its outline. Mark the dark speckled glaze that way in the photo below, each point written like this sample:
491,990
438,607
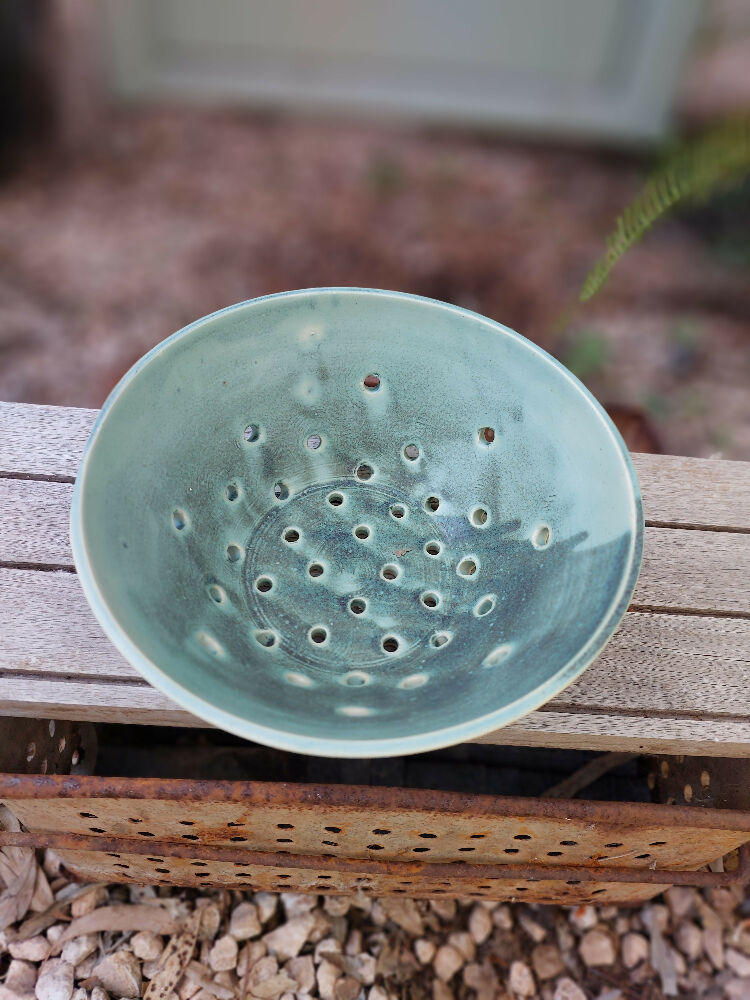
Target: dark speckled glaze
355,523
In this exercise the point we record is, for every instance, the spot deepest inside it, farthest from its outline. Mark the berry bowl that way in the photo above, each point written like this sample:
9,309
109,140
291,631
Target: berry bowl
355,523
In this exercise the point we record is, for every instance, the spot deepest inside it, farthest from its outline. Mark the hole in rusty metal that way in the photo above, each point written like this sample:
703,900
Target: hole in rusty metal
190,836
466,849
554,854
333,829
478,836
613,845
145,833
321,877
510,850
285,826
569,843
379,833
111,855
522,836
96,829
186,822
158,861
329,843
162,871
232,823
374,847
573,881
134,819
657,843
428,836
88,815
595,892
640,857
120,864
199,864
284,840
420,850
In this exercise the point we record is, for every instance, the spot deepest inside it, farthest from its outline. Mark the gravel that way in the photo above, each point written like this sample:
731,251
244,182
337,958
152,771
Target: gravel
291,946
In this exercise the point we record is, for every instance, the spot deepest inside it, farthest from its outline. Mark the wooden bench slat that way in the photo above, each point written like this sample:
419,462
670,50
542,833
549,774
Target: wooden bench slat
689,570
654,663
48,441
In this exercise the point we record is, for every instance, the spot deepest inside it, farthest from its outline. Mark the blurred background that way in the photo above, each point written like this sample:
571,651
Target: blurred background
160,159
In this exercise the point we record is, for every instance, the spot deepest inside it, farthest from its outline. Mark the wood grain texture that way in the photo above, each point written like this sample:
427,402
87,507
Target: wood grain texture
48,441
672,679
668,683
43,441
689,570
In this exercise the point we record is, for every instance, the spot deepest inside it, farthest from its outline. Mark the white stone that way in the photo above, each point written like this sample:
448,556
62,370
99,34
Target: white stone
656,914
297,904
737,989
99,993
536,932
463,942
324,947
336,906
302,971
264,968
424,950
146,945
120,973
502,917
547,961
249,955
365,966
21,977
55,932
79,948
714,946
482,979
737,962
597,948
85,968
445,908
223,954
441,990
244,923
347,988
266,903
287,940
566,989
378,993
635,948
583,918
210,921
327,975
55,980
447,961
689,939
521,980
88,901
34,949
681,900
353,944
80,994
480,924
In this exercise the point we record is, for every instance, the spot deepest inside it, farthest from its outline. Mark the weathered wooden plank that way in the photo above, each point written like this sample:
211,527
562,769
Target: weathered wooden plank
43,441
653,663
662,676
695,492
48,441
142,705
695,571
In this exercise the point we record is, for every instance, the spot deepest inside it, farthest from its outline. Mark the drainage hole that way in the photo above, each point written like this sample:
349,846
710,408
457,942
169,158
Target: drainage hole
357,606
335,499
411,451
316,570
216,593
484,606
479,517
364,472
430,599
432,504
486,435
251,432
433,548
362,531
371,382
231,492
234,553
357,678
390,571
314,442
541,536
438,639
265,637
280,490
467,567
318,634
179,519
390,644
398,511
291,535
264,584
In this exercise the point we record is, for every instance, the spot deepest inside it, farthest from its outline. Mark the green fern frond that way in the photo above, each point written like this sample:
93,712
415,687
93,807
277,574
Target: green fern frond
692,172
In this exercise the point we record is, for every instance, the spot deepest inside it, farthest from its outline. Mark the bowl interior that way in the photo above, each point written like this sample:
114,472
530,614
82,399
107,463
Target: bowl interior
355,522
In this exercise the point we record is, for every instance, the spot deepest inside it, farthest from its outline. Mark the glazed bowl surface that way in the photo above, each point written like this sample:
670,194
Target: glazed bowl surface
355,523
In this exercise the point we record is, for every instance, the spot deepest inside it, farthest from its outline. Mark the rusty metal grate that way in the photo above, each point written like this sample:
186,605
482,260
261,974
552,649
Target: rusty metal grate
334,838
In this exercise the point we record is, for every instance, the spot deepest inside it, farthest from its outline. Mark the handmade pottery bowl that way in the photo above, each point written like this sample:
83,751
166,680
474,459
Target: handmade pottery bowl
355,523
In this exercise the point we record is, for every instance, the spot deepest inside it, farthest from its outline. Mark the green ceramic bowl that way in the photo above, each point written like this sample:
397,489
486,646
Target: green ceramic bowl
355,523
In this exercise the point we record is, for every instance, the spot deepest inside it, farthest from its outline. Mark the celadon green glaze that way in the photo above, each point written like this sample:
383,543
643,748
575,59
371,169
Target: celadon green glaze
355,523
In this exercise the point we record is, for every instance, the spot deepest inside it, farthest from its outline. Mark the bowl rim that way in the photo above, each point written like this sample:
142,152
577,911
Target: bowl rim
329,746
